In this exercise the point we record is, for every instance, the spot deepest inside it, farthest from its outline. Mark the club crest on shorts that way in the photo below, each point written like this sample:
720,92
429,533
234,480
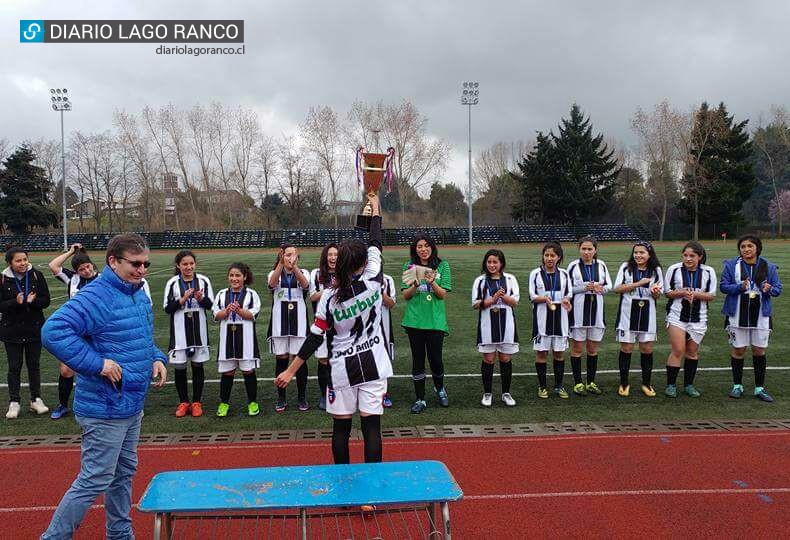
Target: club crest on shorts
331,395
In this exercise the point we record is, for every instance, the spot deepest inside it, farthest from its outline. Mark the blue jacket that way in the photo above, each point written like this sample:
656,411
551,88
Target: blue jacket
733,289
112,319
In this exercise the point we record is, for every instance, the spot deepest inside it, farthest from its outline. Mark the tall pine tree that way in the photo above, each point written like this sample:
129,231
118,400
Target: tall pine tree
567,177
24,193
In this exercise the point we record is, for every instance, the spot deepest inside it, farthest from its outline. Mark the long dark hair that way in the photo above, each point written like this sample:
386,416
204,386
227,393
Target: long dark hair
352,254
13,250
754,240
652,261
324,273
761,272
697,248
556,247
245,271
433,260
179,256
495,253
283,247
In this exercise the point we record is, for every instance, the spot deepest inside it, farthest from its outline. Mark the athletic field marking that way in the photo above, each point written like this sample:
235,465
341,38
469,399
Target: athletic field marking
631,493
531,439
467,375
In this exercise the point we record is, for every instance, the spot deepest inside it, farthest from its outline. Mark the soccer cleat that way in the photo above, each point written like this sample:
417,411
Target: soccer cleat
543,393
222,410
38,407
762,395
304,406
560,392
419,406
691,391
580,389
59,412
594,389
624,391
196,409
13,410
182,409
486,401
387,402
444,400
508,399
648,390
671,391
737,391
253,409
322,403
280,406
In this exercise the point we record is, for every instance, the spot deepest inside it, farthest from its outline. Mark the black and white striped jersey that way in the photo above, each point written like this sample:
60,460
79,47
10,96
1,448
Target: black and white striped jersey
588,309
637,309
545,320
73,281
496,324
678,277
237,337
289,307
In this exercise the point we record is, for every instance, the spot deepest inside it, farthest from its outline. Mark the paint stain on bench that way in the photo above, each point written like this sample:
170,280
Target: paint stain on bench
258,487
319,491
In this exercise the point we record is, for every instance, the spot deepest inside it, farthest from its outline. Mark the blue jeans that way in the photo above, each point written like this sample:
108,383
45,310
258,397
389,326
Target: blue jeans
108,463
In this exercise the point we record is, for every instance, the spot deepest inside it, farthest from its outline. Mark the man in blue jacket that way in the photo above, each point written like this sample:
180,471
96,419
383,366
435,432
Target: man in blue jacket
105,334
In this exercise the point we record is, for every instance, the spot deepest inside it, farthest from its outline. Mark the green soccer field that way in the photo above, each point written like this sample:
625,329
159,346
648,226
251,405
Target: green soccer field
462,362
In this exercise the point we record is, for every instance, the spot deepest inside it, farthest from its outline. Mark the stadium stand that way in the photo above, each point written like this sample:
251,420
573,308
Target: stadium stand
319,237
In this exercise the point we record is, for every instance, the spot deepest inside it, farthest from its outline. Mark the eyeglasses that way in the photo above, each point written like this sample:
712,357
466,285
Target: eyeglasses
136,264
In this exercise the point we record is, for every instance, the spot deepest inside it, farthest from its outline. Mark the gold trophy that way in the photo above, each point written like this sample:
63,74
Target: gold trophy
372,170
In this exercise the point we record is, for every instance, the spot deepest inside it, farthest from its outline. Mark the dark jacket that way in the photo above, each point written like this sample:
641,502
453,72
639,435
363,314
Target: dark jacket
21,323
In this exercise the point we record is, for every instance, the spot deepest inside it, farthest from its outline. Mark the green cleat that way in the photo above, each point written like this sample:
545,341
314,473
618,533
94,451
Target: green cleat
543,393
691,391
560,392
671,391
580,389
253,409
223,409
594,389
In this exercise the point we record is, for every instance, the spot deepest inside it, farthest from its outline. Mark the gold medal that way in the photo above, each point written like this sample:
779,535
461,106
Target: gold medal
641,303
290,306
189,314
552,306
428,297
495,309
752,294
232,327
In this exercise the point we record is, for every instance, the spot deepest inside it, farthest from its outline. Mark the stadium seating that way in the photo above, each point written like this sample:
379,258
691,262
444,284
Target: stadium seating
251,238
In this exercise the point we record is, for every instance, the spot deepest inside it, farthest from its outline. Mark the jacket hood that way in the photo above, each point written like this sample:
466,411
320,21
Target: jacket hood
10,273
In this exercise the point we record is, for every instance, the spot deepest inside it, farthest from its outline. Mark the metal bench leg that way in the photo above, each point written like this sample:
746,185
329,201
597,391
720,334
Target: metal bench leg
157,526
303,519
168,526
434,518
163,526
446,519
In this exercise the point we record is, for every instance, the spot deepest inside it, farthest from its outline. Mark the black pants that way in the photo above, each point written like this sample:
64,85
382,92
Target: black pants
428,342
31,352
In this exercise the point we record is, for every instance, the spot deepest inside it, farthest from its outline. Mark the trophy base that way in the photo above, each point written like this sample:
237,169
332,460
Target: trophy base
363,223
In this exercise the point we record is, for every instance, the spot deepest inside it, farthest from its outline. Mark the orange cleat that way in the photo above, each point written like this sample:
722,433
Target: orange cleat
182,410
197,409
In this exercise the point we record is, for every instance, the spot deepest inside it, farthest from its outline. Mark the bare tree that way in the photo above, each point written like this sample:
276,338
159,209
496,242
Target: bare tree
322,133
266,154
85,152
158,135
179,147
247,133
202,148
221,131
295,180
495,162
137,146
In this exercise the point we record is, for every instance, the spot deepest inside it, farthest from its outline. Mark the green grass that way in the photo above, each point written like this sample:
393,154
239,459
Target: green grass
460,357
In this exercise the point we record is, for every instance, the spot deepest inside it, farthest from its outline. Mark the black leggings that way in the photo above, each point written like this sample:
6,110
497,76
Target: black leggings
32,354
422,342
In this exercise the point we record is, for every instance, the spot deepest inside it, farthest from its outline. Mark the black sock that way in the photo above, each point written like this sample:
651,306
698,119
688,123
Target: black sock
65,384
506,375
371,432
576,366
323,377
198,378
759,363
672,375
646,362
559,372
181,385
251,386
624,363
592,367
438,381
419,389
341,431
225,386
541,368
689,370
301,382
737,370
487,371
280,365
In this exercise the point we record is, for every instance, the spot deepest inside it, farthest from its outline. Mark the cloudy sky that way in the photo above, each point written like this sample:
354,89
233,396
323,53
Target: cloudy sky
533,59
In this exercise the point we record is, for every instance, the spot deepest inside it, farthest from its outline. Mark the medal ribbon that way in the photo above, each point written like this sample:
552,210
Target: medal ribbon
490,292
27,286
551,279
191,286
233,297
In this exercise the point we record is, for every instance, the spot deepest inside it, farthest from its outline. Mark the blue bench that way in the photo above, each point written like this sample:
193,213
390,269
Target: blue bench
424,485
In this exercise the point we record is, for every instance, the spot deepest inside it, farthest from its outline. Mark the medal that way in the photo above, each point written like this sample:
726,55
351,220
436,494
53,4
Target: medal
189,314
428,297
552,306
752,294
641,303
290,306
495,309
232,327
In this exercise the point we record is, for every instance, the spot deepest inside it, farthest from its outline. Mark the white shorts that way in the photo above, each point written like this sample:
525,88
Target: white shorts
626,336
201,355
743,337
694,331
223,366
585,333
280,346
504,348
550,343
366,398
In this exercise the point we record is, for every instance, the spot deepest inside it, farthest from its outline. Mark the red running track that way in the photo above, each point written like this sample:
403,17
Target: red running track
690,484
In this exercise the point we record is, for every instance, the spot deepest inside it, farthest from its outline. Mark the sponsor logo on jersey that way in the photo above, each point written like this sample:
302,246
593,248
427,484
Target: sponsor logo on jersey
357,307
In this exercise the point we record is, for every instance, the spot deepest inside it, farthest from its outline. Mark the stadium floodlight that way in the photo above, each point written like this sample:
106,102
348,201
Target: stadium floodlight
61,103
470,92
